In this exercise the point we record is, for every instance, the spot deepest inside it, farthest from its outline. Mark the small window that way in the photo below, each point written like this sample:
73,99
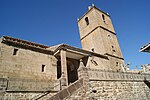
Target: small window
92,49
15,51
103,17
43,68
94,62
117,63
113,49
87,21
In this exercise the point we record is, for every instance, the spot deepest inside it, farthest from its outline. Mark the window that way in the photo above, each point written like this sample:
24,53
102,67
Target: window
109,36
92,49
117,63
103,17
15,51
59,69
94,62
87,21
43,68
113,49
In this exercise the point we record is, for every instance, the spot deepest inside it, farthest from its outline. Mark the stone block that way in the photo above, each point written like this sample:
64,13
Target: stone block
71,89
63,94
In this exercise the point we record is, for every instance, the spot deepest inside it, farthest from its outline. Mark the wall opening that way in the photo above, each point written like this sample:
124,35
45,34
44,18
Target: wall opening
92,49
113,49
117,63
15,51
58,69
72,66
103,17
43,68
87,21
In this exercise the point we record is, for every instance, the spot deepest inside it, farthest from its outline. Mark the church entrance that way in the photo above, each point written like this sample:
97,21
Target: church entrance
72,67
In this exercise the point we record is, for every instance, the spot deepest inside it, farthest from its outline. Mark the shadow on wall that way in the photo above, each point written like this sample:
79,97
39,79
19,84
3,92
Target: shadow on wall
147,83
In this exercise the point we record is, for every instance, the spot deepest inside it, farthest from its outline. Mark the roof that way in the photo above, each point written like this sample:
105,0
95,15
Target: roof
49,49
7,38
76,50
145,48
53,48
91,8
26,44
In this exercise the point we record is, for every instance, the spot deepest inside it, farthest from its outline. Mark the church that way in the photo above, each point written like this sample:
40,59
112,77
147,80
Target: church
32,71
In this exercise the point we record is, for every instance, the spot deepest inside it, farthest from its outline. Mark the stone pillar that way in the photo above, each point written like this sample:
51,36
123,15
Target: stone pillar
81,70
64,76
83,74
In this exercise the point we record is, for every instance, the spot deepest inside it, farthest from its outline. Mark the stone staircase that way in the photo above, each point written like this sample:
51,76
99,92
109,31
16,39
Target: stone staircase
65,93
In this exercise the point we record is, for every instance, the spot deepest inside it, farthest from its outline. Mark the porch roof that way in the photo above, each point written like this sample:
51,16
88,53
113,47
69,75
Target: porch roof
73,52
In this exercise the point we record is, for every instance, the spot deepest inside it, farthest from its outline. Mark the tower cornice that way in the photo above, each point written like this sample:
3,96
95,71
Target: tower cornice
95,29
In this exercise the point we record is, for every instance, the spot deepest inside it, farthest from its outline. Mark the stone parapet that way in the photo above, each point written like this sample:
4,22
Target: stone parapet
102,75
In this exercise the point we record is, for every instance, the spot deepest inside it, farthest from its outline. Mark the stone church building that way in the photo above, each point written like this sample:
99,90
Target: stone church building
32,71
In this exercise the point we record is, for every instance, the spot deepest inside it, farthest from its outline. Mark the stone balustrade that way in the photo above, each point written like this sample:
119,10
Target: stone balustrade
103,75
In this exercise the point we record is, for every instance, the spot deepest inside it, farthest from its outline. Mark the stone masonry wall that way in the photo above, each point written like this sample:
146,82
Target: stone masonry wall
18,96
113,90
24,70
117,90
99,36
107,85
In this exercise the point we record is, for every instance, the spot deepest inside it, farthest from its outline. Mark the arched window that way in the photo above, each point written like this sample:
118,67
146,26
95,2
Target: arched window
103,18
87,20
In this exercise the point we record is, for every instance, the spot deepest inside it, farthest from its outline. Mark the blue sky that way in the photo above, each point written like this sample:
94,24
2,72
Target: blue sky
51,22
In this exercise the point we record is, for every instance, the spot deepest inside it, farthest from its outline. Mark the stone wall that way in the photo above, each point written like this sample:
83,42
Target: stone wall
27,61
3,84
108,85
113,90
18,96
98,63
24,69
118,90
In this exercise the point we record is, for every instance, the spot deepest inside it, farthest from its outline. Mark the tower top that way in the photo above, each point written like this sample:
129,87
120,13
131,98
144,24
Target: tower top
90,8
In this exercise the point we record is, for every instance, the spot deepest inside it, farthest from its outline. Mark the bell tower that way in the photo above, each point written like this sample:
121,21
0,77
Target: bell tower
97,34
